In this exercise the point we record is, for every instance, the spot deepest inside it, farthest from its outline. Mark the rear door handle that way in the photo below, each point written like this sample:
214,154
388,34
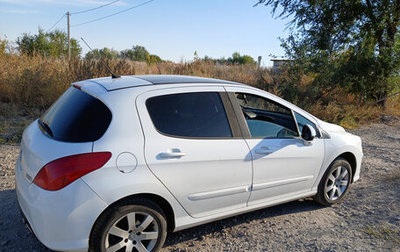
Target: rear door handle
171,154
263,150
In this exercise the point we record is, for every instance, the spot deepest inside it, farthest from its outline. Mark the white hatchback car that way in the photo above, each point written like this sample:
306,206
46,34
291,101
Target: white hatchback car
116,163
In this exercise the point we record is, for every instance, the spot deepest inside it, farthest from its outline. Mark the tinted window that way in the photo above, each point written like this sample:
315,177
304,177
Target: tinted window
76,117
301,121
266,118
189,115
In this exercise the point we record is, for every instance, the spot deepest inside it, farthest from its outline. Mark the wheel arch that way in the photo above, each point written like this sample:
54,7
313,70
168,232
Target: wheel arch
156,199
351,158
349,154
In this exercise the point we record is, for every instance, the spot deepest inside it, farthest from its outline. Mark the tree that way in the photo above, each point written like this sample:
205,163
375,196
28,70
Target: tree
236,59
241,60
354,43
53,44
102,53
152,59
196,56
139,53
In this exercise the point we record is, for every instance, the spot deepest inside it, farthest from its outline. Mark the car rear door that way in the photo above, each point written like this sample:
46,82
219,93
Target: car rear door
284,165
195,149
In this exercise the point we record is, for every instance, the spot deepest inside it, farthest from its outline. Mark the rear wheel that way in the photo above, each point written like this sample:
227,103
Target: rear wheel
335,183
138,225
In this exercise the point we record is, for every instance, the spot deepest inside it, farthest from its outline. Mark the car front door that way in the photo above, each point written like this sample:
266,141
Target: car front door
284,165
195,149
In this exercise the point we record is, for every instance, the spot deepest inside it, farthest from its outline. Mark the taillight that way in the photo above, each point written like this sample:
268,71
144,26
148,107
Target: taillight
61,172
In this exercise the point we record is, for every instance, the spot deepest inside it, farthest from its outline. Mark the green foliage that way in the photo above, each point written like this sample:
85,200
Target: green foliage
152,58
241,59
139,53
349,44
54,44
236,59
195,56
102,53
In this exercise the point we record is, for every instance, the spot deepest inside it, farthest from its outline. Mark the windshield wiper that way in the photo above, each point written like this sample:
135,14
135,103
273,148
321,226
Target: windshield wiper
45,127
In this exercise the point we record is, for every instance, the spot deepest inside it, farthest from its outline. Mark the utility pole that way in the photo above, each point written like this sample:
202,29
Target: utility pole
69,36
259,62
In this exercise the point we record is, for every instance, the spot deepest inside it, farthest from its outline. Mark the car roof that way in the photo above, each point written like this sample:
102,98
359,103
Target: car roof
111,84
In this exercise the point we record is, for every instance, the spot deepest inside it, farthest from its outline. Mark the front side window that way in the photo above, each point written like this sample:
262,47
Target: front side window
198,115
266,118
301,121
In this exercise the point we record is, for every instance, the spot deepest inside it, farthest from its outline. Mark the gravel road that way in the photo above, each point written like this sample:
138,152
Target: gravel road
367,220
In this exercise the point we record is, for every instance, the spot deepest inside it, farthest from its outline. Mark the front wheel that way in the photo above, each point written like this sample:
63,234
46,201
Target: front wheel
335,183
138,225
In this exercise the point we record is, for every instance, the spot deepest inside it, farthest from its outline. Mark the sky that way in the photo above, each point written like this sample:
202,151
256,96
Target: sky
171,29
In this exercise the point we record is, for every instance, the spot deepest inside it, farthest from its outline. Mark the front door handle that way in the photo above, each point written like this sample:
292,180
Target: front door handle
172,154
263,150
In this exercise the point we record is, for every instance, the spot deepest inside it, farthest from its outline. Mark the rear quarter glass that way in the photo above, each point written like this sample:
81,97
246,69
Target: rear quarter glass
76,117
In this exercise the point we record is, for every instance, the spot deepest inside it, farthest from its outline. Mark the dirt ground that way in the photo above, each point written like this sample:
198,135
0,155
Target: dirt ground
367,220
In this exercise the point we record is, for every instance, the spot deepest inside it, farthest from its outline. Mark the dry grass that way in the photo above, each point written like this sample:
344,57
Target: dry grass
11,129
14,119
393,106
38,81
393,178
384,232
349,116
29,85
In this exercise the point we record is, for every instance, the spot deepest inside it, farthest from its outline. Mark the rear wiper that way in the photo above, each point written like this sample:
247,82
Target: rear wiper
45,127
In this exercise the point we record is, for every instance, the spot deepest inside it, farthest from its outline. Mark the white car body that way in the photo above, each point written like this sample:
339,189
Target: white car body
212,179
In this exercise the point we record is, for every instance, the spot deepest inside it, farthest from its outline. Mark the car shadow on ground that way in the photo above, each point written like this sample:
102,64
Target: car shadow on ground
196,233
14,236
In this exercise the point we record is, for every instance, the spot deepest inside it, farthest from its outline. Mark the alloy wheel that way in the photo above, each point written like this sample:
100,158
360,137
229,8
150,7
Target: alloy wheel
135,231
337,183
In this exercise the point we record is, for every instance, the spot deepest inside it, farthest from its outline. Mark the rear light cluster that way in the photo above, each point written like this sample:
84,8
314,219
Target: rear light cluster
63,171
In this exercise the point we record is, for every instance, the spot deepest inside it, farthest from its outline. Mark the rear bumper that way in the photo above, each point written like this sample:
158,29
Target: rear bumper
61,220
25,220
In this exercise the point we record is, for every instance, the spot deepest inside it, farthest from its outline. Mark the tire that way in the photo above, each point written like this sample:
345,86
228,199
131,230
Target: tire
134,225
335,183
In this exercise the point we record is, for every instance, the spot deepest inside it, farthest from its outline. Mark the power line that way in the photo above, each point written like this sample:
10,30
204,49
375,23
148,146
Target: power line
116,13
56,23
101,6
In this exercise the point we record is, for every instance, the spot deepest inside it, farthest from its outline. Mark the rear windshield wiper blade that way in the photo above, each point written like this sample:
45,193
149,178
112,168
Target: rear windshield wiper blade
45,127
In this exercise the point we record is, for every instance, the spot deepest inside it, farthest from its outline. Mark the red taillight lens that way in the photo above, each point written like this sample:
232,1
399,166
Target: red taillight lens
61,172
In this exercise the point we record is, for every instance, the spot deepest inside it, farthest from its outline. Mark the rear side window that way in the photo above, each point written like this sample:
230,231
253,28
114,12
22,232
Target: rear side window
76,117
189,115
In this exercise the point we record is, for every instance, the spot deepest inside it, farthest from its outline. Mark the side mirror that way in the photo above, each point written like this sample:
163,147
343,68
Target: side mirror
308,133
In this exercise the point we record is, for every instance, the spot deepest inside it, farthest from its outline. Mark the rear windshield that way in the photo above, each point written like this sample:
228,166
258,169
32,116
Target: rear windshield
76,117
